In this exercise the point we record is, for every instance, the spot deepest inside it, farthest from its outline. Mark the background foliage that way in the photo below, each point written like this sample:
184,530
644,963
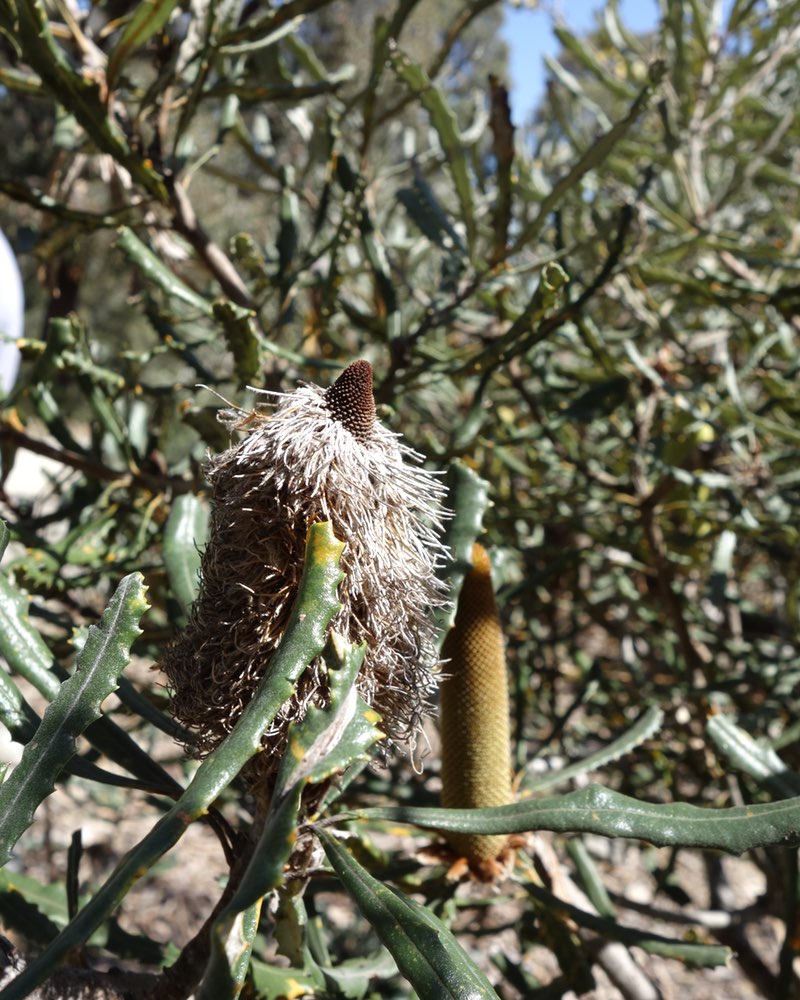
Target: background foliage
598,317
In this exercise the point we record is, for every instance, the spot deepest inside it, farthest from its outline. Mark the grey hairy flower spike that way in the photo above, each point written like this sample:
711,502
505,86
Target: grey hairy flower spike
319,455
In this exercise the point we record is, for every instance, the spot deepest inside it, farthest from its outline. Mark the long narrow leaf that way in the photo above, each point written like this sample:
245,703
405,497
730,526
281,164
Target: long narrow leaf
596,809
184,536
15,713
633,737
694,953
156,271
28,656
24,650
468,498
305,636
77,704
239,329
746,754
426,952
593,157
326,742
444,122
231,947
149,17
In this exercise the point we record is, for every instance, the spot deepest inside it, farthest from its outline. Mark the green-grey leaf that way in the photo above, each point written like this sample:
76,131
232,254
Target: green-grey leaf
316,604
77,704
184,536
596,809
746,754
656,944
271,981
425,950
640,731
444,122
149,17
23,648
591,158
231,946
426,211
239,329
329,740
28,23
468,498
326,742
156,271
15,713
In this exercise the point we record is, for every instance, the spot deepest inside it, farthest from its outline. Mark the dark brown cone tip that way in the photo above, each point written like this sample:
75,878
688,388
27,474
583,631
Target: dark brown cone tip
351,402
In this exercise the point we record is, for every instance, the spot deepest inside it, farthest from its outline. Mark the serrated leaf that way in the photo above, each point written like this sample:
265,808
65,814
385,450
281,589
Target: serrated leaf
74,708
756,759
528,328
426,952
317,603
641,730
23,648
324,743
596,809
30,27
238,326
22,723
330,739
88,542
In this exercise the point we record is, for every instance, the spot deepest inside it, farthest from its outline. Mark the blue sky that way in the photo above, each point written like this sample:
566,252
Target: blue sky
529,34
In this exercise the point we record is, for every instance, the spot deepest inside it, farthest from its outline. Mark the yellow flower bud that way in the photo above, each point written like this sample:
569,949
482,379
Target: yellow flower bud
476,746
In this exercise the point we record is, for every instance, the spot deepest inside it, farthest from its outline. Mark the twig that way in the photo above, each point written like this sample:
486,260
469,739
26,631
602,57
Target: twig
90,468
187,224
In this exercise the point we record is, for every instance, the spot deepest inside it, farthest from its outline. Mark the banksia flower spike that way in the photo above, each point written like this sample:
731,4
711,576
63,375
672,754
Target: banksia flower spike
476,744
320,455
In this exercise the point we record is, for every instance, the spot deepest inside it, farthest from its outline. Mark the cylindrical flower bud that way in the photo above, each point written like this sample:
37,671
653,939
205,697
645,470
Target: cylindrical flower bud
321,455
476,744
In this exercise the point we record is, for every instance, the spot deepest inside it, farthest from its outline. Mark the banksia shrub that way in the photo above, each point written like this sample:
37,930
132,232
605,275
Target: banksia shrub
319,455
476,748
